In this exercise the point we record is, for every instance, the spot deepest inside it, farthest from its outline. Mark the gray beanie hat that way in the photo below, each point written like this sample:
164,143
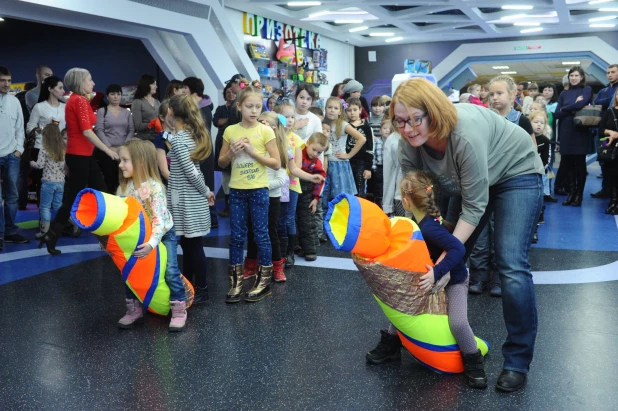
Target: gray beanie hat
352,86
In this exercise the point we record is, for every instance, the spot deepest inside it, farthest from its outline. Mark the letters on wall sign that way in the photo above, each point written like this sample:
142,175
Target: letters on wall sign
274,30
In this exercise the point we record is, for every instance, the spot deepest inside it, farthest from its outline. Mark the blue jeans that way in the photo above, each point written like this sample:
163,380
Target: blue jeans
172,271
243,202
9,173
516,205
51,197
287,217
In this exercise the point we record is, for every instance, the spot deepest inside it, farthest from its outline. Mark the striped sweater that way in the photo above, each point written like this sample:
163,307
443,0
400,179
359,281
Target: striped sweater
186,191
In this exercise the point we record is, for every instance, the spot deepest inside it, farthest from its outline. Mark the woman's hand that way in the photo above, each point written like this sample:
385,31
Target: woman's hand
427,280
367,174
112,154
317,179
580,98
211,199
142,250
301,123
342,156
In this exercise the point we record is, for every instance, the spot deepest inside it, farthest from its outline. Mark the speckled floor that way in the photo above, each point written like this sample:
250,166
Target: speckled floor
301,349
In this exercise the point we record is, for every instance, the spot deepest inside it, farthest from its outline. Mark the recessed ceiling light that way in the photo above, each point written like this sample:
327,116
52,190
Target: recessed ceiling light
380,34
348,21
304,3
517,7
608,9
318,14
1,19
361,28
599,1
513,17
500,67
532,30
571,63
602,25
602,18
508,72
523,23
393,39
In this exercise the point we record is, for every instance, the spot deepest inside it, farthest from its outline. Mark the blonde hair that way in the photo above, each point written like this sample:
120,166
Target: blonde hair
74,80
53,142
143,156
272,120
420,189
247,89
511,85
185,109
387,99
338,126
165,105
541,105
533,87
536,114
474,86
424,95
318,138
284,103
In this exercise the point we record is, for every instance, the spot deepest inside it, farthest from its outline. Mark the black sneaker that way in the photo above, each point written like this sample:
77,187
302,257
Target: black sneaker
16,239
550,199
388,349
476,287
1,244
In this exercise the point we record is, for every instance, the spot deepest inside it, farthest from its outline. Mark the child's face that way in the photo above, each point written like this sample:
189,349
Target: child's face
288,113
272,101
378,110
476,91
540,99
538,125
533,93
535,107
484,93
353,112
385,131
314,150
326,129
355,94
499,95
126,166
333,110
303,102
251,107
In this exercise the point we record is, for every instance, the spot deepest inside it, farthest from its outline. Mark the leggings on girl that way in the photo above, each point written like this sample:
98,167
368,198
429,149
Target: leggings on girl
457,318
194,260
273,222
254,202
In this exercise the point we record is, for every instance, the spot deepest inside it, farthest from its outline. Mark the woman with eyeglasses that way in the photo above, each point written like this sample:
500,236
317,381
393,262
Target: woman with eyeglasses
145,107
493,165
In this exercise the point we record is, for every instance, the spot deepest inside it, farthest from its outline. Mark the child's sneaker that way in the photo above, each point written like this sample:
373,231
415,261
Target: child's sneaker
311,257
135,312
179,316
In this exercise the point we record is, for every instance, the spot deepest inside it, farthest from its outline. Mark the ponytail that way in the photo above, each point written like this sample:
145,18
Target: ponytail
186,110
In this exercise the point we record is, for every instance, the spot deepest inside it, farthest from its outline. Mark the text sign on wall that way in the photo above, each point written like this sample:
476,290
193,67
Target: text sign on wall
527,47
275,30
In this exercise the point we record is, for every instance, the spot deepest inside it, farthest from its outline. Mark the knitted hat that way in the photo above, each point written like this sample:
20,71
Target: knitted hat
352,86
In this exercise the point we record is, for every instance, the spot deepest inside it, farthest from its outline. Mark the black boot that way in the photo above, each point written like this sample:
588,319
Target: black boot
201,295
602,193
542,215
613,203
572,191
579,193
51,238
474,369
283,246
388,349
289,252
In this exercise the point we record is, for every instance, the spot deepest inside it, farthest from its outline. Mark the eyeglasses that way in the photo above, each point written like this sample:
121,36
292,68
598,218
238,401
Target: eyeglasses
402,123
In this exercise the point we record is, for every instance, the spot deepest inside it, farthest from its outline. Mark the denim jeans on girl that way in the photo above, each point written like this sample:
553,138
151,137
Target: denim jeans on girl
172,271
242,202
51,197
287,217
516,205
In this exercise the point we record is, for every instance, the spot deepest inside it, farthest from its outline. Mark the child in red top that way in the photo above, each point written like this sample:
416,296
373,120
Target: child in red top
475,90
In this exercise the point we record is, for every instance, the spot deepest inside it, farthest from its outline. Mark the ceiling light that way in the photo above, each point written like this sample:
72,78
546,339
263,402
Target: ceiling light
532,30
609,9
361,28
517,7
500,67
393,39
599,1
1,19
318,14
380,34
571,63
600,25
508,72
602,18
513,17
348,21
523,23
304,3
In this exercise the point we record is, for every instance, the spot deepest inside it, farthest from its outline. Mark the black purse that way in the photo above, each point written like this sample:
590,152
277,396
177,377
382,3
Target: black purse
608,153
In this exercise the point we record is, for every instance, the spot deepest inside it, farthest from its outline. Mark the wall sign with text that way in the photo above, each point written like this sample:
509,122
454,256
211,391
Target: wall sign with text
274,30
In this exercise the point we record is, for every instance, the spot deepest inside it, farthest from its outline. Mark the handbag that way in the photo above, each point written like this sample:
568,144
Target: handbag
588,116
608,153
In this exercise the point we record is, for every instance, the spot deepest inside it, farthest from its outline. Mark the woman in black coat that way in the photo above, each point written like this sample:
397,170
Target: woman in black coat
608,128
574,141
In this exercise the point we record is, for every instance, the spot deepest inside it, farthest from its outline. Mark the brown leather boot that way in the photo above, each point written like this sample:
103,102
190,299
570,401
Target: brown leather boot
261,287
235,274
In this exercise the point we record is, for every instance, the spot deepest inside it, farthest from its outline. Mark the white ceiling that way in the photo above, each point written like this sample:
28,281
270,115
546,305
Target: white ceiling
544,71
423,21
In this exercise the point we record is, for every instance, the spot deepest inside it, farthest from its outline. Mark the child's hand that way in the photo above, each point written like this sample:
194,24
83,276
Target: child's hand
142,250
317,179
427,280
32,164
313,205
237,146
442,283
301,123
211,199
366,174
248,147
342,156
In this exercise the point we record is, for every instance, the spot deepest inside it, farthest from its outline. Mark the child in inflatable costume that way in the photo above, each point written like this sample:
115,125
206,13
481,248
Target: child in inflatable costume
393,258
134,226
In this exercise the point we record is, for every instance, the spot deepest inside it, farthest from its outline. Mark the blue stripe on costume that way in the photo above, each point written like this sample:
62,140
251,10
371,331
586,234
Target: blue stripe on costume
155,280
354,225
128,267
